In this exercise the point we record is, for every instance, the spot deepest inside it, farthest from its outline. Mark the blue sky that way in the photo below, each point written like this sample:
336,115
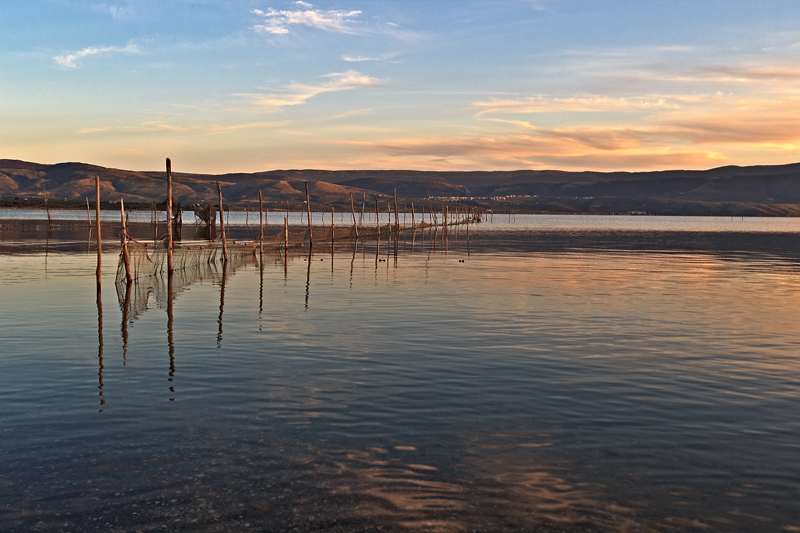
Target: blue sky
453,85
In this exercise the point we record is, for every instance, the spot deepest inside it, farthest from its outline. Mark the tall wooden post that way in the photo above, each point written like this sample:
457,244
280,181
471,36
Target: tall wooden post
377,214
332,228
222,225
261,222
99,239
47,209
353,209
308,207
286,235
124,237
413,219
169,216
396,214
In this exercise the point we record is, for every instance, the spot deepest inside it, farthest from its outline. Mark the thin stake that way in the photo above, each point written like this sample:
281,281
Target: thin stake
308,207
396,213
88,213
222,224
47,209
124,238
353,209
169,216
261,223
99,239
286,235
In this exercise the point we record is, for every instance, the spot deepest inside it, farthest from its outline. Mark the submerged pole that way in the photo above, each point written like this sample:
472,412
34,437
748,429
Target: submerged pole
124,238
308,207
47,209
222,224
261,223
88,213
99,239
286,235
169,216
396,214
353,209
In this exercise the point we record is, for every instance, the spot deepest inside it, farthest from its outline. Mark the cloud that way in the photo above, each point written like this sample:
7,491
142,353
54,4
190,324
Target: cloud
156,126
278,22
298,93
541,104
382,57
68,60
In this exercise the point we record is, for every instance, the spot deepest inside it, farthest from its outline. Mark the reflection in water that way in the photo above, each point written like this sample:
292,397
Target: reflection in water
340,432
222,301
170,337
308,275
100,345
126,306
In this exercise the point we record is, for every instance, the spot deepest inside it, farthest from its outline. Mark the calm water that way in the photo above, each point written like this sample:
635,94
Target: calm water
575,373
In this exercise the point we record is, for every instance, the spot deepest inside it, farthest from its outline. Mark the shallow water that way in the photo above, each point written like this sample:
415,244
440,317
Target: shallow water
603,373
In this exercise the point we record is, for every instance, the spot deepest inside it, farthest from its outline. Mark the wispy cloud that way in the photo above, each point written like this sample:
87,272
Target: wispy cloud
116,11
333,20
69,60
299,93
157,125
586,103
382,57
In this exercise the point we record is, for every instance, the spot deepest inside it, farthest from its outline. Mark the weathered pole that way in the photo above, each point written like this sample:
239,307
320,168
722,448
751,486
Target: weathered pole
261,224
124,238
286,235
396,214
88,213
413,219
308,207
332,229
377,214
222,225
99,238
353,209
47,209
169,217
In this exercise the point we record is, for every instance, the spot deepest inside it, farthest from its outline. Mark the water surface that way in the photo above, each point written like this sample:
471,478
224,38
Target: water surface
603,373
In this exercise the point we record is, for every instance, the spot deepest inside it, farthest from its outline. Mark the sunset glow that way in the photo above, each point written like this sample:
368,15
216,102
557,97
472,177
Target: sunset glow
225,86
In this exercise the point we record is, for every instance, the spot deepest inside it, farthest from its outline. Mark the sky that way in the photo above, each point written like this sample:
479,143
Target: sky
243,86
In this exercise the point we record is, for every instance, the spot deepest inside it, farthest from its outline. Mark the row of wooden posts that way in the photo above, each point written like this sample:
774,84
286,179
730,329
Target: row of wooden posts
460,218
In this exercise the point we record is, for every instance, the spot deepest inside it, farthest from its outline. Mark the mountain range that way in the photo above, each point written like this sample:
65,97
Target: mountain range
765,190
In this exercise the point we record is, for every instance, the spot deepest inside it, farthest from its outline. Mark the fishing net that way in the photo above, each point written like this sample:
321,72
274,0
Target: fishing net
154,292
150,259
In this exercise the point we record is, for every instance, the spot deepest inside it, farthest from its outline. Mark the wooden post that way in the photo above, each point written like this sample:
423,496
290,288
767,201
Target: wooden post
286,235
396,213
261,224
124,237
169,217
99,239
377,215
353,209
308,207
332,228
413,219
222,225
88,213
363,206
47,209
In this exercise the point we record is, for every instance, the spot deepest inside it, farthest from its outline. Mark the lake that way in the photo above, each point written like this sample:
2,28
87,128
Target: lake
543,373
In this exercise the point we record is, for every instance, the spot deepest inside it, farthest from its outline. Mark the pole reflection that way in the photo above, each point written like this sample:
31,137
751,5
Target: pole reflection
100,346
222,302
170,334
